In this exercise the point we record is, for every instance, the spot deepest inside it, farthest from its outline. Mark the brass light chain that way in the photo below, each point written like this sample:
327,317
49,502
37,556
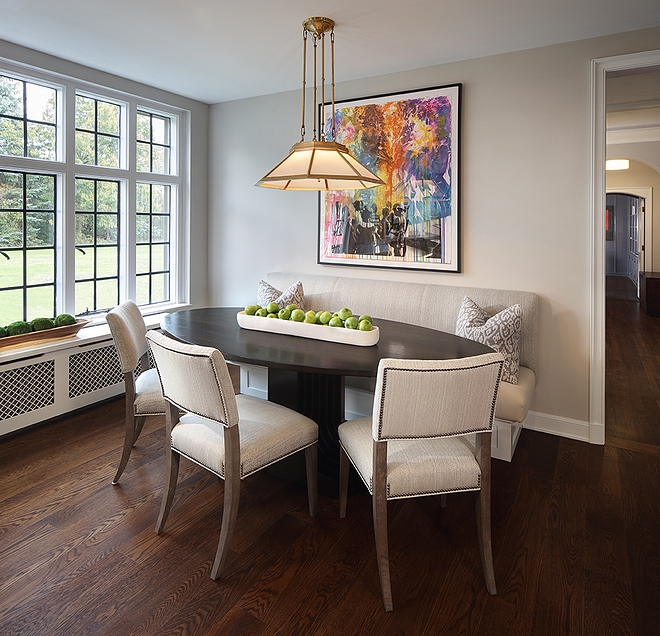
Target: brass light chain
332,47
322,122
304,84
315,82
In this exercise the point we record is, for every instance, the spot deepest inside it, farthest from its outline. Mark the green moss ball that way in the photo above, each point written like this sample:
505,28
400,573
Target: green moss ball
39,324
17,328
64,319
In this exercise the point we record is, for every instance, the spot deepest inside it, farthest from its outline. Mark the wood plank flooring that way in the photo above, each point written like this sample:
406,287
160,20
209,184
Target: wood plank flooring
575,536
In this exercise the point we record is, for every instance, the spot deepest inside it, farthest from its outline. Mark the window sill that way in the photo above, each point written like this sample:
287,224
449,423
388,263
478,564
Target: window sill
97,331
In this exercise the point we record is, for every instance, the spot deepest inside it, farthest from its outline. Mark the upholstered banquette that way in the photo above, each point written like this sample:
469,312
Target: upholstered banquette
436,307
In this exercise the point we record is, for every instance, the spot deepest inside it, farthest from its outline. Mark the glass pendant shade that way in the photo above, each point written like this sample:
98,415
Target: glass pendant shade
319,164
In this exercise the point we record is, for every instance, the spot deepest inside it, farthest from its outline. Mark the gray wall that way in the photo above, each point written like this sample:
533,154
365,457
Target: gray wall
525,136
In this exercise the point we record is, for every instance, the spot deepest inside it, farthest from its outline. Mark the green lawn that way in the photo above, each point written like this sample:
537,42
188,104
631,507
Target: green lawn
40,270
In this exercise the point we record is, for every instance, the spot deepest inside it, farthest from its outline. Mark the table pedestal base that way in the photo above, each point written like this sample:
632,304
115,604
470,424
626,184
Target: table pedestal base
321,398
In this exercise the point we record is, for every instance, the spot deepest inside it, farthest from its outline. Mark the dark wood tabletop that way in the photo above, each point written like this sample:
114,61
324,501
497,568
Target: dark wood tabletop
308,375
217,327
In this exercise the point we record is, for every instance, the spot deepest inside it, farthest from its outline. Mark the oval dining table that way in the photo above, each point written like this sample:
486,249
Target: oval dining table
307,374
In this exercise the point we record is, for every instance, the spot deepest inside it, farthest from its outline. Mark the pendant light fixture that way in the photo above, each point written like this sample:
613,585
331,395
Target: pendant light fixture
319,164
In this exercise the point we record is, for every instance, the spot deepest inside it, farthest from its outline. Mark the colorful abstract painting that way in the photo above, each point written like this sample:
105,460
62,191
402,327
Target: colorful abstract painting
410,141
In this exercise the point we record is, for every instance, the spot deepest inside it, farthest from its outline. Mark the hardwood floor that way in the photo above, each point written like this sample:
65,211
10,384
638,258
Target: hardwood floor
575,536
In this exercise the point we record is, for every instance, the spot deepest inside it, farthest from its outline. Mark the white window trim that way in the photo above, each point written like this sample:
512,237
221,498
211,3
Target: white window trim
67,170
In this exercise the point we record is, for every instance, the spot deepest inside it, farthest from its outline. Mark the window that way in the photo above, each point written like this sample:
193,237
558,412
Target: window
153,143
152,236
27,119
97,245
27,245
97,132
91,215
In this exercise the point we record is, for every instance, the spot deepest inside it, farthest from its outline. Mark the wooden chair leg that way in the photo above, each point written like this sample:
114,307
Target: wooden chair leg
173,459
129,437
129,426
483,513
232,499
311,466
379,502
344,469
139,424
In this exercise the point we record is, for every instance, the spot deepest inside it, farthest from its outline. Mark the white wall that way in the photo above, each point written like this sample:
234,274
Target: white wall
524,195
199,140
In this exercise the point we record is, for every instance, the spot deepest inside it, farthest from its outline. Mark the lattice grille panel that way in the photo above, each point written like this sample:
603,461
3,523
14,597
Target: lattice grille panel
27,389
93,370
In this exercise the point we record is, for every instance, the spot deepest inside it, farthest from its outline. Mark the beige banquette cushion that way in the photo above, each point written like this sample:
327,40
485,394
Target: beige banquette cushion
432,306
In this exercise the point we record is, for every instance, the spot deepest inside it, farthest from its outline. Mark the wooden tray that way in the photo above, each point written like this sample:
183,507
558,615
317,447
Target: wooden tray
45,335
306,330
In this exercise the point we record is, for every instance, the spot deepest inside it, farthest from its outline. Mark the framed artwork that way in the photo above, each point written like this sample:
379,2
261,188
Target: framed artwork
609,223
411,141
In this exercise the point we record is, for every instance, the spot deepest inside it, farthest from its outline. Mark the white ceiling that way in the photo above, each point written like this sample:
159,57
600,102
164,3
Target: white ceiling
217,50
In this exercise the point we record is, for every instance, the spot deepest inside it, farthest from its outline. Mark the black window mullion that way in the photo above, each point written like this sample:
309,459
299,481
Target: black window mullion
24,230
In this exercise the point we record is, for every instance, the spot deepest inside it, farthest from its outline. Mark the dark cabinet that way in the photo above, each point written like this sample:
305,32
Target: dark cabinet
649,292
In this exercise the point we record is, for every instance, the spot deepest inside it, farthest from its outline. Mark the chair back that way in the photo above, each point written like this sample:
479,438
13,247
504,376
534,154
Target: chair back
128,331
435,398
194,379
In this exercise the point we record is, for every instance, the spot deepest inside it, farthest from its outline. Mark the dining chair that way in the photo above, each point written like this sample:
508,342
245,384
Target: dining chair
413,444
232,436
143,395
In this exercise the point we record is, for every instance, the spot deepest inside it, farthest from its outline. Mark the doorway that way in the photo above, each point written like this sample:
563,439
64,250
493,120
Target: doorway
624,232
600,68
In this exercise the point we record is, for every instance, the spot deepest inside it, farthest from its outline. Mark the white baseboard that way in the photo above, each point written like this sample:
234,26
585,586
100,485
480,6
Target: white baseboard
562,426
359,403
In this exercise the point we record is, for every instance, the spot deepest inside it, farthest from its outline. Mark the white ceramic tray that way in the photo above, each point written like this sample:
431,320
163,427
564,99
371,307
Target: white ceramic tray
306,330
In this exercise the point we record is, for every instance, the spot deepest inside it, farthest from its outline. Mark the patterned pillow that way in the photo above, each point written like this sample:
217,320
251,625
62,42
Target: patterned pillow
292,296
501,332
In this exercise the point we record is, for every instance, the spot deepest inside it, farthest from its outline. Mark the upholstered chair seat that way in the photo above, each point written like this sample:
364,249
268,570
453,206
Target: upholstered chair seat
414,467
148,397
286,432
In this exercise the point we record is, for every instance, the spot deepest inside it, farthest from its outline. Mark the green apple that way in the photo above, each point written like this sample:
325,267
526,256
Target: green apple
292,307
365,325
345,313
250,310
262,313
271,316
318,317
284,314
325,317
310,317
297,315
366,317
272,308
351,322
336,321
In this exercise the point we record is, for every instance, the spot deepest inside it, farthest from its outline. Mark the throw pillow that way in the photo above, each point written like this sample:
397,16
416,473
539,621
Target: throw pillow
501,332
266,293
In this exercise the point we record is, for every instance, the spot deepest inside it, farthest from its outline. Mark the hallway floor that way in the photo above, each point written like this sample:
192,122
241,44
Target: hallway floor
632,384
